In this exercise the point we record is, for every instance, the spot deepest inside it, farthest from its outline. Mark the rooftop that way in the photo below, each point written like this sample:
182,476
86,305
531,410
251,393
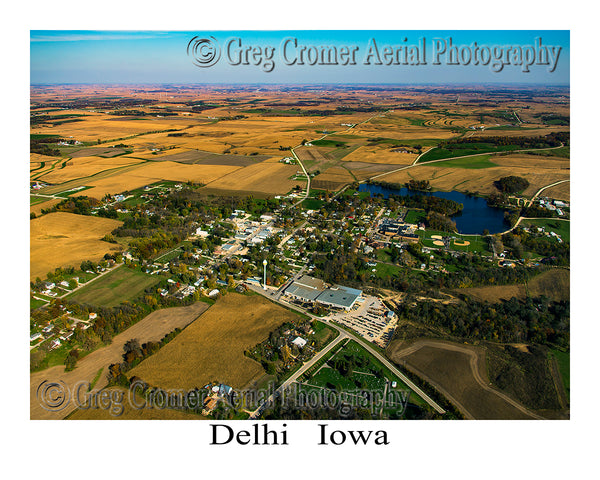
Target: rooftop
308,294
339,296
310,282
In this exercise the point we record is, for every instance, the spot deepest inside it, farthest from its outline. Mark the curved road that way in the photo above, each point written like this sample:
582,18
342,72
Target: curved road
321,138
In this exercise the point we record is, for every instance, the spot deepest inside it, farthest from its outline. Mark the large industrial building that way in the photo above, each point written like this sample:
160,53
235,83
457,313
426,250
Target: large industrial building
313,290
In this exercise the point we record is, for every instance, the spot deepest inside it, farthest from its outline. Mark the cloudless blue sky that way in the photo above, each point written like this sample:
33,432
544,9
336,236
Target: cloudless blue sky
161,57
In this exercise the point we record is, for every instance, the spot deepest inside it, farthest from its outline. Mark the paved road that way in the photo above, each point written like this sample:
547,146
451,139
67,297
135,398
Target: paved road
529,204
297,374
346,334
321,138
544,188
307,178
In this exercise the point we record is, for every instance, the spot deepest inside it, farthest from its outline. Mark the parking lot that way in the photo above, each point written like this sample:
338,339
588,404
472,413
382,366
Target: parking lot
370,318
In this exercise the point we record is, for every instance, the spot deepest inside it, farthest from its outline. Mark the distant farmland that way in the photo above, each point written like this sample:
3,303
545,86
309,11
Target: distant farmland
212,348
120,285
63,239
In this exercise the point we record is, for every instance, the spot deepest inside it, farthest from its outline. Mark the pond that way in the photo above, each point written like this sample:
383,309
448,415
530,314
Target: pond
474,218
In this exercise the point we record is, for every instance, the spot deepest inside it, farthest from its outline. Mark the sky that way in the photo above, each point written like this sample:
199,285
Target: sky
66,56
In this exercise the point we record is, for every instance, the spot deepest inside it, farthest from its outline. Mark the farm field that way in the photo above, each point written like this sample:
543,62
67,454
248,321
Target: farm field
120,285
477,179
332,178
554,284
62,239
84,167
376,154
43,205
459,372
266,177
151,328
154,172
562,191
97,126
212,348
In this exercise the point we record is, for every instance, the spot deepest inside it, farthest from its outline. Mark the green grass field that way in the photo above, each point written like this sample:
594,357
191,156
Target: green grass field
415,216
35,199
468,149
564,366
480,161
120,285
384,270
34,303
560,227
328,143
168,256
563,152
312,204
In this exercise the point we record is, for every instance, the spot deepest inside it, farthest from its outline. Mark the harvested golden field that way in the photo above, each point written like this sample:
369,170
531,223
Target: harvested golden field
332,178
561,192
107,127
400,132
84,167
143,144
255,134
477,179
212,348
154,172
266,177
380,155
151,328
61,239
37,208
35,159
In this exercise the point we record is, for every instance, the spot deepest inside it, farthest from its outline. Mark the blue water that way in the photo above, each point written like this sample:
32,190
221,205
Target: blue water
474,218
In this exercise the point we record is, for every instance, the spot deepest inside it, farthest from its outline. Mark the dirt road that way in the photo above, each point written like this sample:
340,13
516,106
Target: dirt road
448,367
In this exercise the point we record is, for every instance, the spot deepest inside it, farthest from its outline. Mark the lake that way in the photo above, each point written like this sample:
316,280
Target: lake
474,218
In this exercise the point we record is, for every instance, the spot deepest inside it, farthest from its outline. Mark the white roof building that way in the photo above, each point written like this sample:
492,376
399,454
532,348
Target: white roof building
299,342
